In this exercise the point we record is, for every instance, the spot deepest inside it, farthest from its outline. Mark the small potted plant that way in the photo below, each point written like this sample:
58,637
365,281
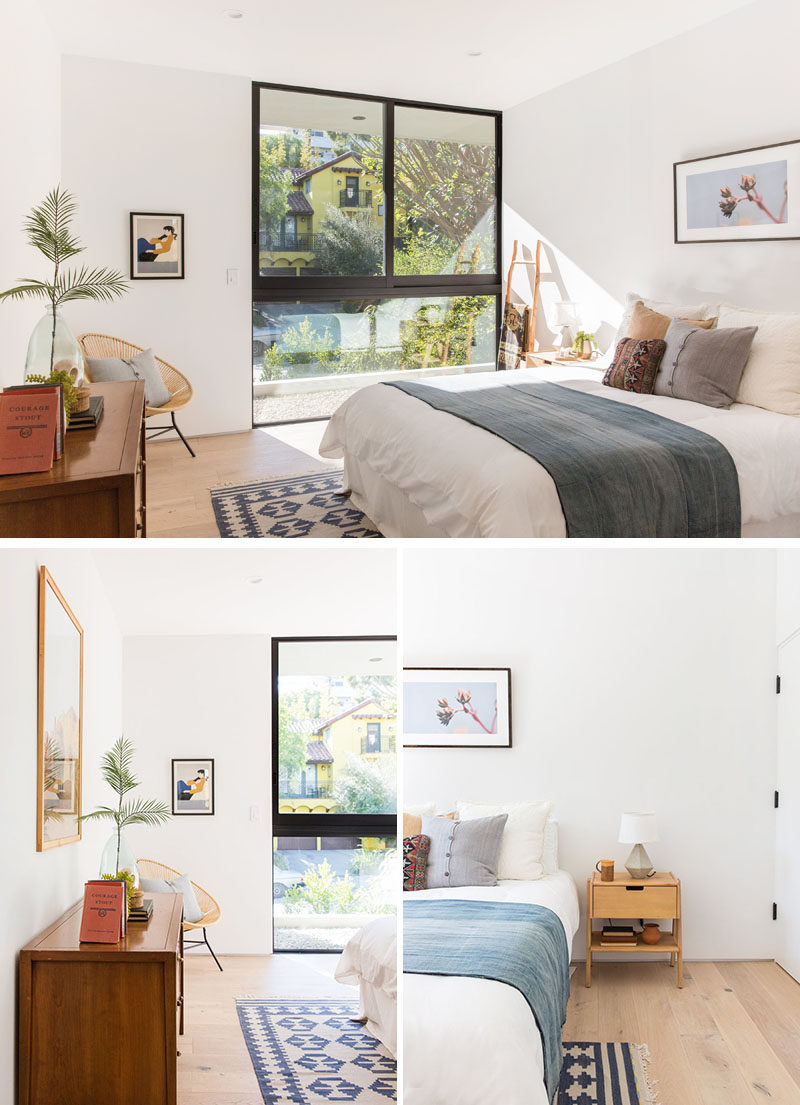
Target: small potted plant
583,345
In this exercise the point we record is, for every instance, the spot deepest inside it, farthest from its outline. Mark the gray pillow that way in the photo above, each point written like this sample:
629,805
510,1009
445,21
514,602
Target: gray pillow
704,366
179,885
463,853
141,367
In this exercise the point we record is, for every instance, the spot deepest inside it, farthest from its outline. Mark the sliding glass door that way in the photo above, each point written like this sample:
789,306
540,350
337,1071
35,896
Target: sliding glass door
334,788
375,245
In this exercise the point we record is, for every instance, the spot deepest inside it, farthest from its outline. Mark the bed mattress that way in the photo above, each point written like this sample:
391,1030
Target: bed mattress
470,1041
416,471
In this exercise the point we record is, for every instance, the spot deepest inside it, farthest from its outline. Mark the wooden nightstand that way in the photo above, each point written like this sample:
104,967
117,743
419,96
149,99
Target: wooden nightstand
658,898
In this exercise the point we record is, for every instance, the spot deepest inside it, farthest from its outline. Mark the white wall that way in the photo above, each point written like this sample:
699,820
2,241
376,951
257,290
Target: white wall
30,125
788,593
642,679
147,138
208,697
589,165
39,886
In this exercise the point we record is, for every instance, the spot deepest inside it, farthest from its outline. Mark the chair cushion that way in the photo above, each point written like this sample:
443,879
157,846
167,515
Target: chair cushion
179,885
140,367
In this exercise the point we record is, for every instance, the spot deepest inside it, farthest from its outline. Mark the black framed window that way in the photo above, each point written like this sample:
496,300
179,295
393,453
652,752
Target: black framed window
360,200
334,787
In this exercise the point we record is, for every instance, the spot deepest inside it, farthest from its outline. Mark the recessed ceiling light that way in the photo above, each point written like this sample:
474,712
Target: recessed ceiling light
474,53
255,579
375,659
233,13
359,118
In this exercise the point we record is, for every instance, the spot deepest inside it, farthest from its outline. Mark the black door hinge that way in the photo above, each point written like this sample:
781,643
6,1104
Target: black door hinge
777,684
774,911
777,799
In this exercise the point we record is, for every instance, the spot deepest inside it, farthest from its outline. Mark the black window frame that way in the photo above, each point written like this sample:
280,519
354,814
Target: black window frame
280,289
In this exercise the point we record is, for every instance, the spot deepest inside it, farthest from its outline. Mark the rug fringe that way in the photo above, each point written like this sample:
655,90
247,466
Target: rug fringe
650,1082
242,482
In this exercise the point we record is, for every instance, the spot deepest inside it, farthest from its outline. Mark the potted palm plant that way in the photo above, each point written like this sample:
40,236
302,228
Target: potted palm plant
53,352
116,769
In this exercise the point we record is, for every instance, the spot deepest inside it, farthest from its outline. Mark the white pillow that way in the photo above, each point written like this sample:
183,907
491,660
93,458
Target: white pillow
671,310
426,809
522,845
771,377
550,853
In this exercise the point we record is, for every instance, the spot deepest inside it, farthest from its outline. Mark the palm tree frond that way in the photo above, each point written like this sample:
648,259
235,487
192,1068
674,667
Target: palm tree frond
84,283
115,767
102,813
144,811
36,288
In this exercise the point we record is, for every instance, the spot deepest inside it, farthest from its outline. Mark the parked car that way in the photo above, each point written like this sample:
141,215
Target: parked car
266,331
283,881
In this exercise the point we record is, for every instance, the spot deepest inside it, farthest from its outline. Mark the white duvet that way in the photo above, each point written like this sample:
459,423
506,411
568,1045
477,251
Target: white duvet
470,1041
466,482
369,961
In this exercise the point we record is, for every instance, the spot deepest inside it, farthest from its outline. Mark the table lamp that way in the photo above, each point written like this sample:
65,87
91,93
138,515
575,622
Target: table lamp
638,829
567,319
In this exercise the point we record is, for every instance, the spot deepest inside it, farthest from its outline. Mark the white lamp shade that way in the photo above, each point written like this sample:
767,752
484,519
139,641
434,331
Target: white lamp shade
566,313
638,828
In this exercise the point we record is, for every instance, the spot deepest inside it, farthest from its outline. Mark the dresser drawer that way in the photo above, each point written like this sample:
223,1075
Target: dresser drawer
635,901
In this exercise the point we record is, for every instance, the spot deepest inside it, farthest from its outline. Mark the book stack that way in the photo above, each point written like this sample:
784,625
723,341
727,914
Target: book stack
32,427
105,913
618,936
88,419
141,912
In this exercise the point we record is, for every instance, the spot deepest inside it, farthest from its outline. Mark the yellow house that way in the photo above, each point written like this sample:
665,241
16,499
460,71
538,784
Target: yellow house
343,183
365,730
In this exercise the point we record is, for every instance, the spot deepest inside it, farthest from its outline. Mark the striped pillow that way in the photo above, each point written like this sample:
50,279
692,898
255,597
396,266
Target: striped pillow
635,365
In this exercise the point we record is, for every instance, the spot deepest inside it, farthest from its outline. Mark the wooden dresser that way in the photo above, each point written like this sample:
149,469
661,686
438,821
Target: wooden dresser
98,488
98,1023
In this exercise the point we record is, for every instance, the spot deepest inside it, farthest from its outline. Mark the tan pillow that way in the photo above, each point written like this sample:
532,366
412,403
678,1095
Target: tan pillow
647,325
412,822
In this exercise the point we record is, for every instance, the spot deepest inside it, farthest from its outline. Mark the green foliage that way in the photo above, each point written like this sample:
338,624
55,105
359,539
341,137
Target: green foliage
280,861
422,254
349,244
300,345
275,180
116,767
364,787
365,861
129,880
324,892
59,376
47,229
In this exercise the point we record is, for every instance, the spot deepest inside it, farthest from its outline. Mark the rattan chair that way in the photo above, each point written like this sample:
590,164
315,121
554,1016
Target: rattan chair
152,869
179,388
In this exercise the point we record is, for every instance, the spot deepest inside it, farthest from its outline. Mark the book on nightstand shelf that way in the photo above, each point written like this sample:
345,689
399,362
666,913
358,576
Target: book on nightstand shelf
618,936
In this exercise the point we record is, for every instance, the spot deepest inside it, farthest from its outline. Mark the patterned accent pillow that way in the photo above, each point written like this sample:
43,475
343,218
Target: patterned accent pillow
415,861
635,365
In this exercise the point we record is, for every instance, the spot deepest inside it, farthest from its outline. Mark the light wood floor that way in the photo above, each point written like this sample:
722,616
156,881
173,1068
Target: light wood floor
214,1067
731,1036
178,500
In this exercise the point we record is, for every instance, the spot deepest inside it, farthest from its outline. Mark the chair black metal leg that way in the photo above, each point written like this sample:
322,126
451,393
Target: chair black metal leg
204,931
191,450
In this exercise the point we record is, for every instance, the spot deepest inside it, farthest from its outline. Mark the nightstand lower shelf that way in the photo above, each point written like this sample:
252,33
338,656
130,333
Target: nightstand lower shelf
667,944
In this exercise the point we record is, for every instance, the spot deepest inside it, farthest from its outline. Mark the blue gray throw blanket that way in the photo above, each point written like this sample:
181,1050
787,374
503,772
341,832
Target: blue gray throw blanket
620,471
521,945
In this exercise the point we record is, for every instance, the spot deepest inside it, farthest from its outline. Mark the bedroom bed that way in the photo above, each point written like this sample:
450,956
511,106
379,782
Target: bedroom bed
369,961
473,1041
417,471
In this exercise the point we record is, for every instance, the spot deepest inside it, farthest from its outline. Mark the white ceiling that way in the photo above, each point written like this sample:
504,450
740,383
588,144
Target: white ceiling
304,590
416,49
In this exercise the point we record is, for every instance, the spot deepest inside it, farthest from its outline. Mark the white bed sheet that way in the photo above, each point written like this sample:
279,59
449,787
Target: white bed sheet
470,1041
369,961
466,482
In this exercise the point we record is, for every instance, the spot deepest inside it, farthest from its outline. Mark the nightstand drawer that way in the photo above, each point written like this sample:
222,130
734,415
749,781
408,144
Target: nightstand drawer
632,901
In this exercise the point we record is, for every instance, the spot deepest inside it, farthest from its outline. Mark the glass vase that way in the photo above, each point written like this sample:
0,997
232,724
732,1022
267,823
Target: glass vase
66,354
109,865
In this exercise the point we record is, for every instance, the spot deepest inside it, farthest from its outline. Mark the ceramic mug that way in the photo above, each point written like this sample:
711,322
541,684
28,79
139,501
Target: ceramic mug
606,869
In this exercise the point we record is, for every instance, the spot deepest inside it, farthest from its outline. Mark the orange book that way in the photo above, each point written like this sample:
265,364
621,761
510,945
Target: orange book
102,920
28,427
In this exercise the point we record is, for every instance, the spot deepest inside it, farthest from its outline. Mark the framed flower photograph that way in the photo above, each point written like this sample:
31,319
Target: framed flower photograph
745,196
156,246
193,787
457,707
60,728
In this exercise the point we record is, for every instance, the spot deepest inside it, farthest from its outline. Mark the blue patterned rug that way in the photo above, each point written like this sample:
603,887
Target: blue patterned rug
311,505
315,1052
605,1074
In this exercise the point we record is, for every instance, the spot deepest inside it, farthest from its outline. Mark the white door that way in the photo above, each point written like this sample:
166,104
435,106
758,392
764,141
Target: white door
787,866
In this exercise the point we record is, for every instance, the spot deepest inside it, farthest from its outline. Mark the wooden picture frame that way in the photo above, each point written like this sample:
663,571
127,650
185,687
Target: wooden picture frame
157,246
750,195
193,787
472,704
59,764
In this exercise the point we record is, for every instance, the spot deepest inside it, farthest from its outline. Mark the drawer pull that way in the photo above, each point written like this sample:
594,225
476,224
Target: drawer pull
180,1000
180,959
634,888
178,1054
